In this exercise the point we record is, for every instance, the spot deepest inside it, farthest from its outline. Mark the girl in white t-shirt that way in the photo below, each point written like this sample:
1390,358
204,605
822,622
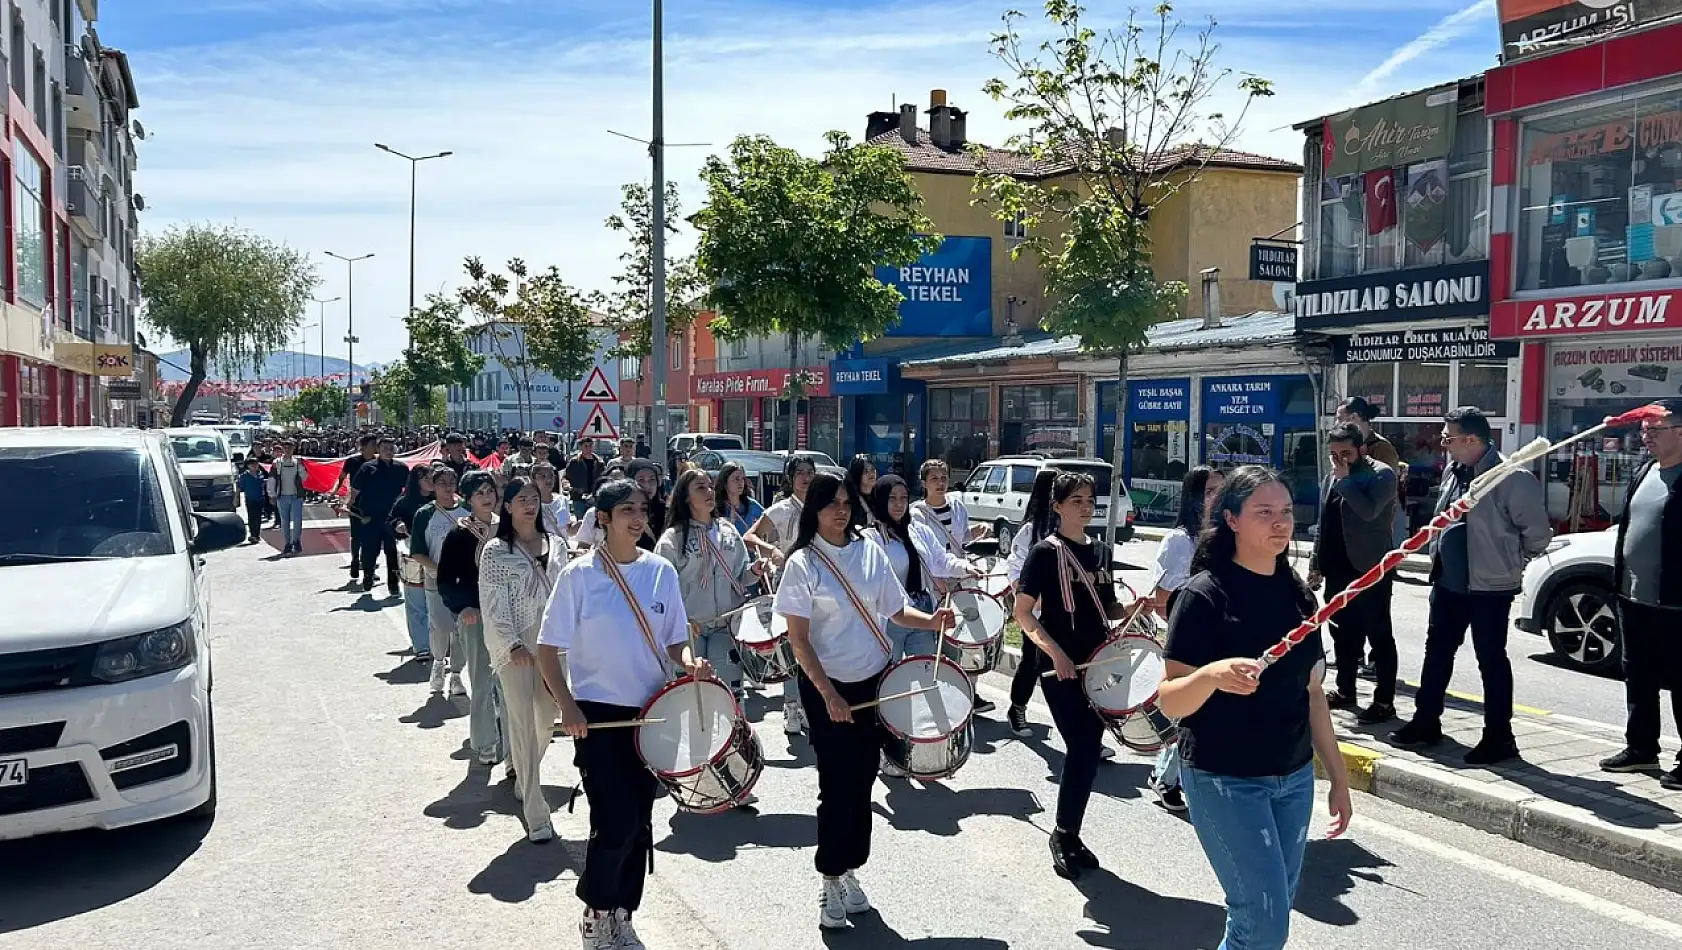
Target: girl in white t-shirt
773,537
835,591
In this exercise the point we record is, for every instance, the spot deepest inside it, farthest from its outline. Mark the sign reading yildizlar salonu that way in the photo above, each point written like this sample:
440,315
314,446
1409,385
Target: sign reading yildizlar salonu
1421,293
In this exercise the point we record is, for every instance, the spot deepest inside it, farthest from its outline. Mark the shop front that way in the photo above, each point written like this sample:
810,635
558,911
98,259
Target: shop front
880,414
1157,450
1265,420
757,405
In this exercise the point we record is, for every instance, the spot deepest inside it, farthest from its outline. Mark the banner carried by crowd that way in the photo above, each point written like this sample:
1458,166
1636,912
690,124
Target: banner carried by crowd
321,475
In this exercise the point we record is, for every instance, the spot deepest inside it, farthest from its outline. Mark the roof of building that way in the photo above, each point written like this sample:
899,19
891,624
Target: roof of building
926,156
1474,81
1261,327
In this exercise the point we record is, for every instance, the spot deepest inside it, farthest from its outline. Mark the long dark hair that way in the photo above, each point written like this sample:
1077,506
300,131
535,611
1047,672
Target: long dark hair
678,513
1218,545
862,505
820,495
1038,514
790,467
1192,489
721,484
412,492
900,529
505,520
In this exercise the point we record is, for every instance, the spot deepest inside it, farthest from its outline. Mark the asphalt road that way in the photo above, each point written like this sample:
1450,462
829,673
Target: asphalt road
350,818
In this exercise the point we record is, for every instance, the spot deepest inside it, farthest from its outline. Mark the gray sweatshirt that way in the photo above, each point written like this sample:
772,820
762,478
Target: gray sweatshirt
706,587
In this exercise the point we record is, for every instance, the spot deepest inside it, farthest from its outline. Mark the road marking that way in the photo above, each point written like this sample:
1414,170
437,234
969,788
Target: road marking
1474,698
1553,890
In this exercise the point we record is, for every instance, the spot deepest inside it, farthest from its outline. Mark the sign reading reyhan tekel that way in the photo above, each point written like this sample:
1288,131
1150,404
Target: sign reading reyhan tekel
948,291
1418,293
1418,346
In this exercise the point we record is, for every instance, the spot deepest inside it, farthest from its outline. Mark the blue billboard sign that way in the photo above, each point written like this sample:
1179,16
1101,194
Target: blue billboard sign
862,377
1159,399
948,292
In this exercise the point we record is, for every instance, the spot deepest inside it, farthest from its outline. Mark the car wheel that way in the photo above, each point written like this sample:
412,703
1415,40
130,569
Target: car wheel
1002,531
1582,626
207,811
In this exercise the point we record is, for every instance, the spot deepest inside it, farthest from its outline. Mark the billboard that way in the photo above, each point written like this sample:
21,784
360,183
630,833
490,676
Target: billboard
948,291
1401,131
1533,27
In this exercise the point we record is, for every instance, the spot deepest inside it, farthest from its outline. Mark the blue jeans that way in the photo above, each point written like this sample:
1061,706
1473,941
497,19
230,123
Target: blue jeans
1254,831
909,642
414,612
291,508
1167,771
719,647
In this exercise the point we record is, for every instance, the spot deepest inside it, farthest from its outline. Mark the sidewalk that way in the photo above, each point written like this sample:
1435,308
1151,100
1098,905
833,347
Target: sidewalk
1412,564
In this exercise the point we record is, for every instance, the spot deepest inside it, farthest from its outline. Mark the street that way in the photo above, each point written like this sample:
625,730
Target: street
350,817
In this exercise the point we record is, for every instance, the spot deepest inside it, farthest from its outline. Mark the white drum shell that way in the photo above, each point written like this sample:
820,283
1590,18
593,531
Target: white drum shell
709,761
930,735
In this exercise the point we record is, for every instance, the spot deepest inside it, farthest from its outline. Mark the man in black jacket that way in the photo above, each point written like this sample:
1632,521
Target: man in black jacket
374,490
582,473
1648,565
1357,511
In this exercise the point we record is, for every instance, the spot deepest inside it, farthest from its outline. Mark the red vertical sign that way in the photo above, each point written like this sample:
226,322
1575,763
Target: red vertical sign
800,422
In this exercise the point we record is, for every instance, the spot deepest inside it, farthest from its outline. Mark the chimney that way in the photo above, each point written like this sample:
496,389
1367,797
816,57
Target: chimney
879,122
940,119
908,123
1211,298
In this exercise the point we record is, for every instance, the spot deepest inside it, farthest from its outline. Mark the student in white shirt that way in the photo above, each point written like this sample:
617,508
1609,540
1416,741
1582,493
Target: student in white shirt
948,520
620,649
917,557
426,544
713,568
773,536
835,590
555,512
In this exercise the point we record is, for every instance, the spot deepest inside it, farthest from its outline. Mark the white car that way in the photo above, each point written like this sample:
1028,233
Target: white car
207,464
105,675
996,493
1567,596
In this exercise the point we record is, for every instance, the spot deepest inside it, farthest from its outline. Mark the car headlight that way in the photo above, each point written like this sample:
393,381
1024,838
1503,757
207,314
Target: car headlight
147,654
1557,544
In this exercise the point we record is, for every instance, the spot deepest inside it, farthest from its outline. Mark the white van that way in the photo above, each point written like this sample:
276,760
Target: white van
996,493
105,675
206,462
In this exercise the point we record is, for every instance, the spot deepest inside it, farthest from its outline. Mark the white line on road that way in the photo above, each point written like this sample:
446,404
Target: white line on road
1553,890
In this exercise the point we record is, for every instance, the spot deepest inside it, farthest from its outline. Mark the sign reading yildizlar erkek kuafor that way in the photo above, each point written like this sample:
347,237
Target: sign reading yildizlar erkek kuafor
1398,296
1421,346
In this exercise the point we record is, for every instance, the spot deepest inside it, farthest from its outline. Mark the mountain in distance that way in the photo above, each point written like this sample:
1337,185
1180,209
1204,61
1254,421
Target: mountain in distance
285,364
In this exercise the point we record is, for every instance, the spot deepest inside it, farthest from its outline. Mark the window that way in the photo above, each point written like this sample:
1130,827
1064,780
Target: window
738,349
1484,385
1376,383
1600,190
83,503
30,234
1022,478
995,484
632,367
1424,389
1016,229
1039,419
676,344
958,427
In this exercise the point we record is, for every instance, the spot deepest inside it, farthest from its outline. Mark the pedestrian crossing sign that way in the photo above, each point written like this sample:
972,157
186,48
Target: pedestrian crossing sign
598,426
597,388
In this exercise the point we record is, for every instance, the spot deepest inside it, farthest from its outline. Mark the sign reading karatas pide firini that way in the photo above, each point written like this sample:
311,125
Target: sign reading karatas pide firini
1634,312
752,383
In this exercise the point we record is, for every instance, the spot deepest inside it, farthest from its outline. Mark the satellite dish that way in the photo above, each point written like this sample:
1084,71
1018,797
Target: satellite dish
139,202
1285,296
139,130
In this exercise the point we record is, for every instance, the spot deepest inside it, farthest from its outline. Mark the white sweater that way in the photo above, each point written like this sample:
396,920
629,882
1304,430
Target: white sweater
513,591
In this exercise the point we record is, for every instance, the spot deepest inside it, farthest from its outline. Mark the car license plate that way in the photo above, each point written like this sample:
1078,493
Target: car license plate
14,772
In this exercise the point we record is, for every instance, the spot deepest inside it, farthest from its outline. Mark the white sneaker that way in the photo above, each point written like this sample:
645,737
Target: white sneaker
832,905
541,834
794,718
456,687
599,930
440,668
627,937
891,770
1105,753
853,899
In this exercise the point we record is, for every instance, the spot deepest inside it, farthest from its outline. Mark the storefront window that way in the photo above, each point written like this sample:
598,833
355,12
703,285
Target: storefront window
1484,385
734,417
1586,383
959,421
1424,389
30,234
1599,186
824,420
1040,419
1374,382
1422,465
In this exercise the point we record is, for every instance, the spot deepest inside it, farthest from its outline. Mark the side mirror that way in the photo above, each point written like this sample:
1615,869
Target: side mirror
218,530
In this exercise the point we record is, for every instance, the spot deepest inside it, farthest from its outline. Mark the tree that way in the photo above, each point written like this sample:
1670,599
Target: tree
438,354
230,296
285,409
1123,113
536,323
394,386
321,403
791,244
629,307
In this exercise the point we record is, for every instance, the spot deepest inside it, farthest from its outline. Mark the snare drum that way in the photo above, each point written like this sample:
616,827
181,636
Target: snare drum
929,735
976,643
1123,686
708,759
762,640
411,571
994,580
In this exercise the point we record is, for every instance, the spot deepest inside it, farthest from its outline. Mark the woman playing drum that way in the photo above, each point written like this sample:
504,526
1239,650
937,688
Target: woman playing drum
618,616
915,554
835,590
713,569
773,537
1067,578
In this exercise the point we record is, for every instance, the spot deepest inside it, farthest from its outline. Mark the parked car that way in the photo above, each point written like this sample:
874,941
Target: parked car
685,443
207,464
764,470
996,493
1568,596
105,668
820,461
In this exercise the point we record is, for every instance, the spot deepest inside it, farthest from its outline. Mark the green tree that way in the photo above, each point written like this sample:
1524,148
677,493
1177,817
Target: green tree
439,354
320,404
394,387
629,307
1125,113
230,296
535,323
790,244
285,409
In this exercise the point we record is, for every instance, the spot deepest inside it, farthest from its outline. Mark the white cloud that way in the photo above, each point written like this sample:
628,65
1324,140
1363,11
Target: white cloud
1450,28
276,131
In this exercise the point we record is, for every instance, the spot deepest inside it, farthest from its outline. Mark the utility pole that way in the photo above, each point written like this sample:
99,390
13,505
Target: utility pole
350,329
657,241
414,163
322,323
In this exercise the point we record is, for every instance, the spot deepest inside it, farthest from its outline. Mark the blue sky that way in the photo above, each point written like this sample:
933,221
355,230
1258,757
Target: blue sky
264,112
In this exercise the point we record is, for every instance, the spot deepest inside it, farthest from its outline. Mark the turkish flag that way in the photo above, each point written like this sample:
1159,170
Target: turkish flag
1381,200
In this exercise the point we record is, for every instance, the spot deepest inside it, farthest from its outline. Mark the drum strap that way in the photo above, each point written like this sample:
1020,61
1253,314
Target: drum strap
868,615
1067,565
707,546
612,570
951,542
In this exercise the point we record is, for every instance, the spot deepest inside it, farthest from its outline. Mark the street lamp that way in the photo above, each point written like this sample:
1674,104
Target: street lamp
350,319
304,341
323,325
414,163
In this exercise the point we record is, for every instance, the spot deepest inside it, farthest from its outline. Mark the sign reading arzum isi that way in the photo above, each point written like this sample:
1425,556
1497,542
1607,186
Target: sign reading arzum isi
1420,293
1588,314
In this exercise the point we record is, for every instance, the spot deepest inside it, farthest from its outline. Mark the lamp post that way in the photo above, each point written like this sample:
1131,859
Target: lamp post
657,240
414,164
304,343
350,323
322,323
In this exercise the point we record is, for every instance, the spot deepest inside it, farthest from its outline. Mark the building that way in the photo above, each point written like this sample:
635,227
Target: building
1586,255
507,395
693,347
71,289
1395,276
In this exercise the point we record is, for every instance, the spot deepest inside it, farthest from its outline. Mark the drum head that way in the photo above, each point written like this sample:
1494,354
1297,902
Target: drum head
1127,677
687,739
980,618
994,579
759,625
926,716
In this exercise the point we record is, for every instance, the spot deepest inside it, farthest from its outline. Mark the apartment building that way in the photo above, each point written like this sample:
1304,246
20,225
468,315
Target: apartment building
71,291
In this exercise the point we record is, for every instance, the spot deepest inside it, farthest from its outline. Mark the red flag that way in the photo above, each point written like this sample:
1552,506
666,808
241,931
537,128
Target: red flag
1381,200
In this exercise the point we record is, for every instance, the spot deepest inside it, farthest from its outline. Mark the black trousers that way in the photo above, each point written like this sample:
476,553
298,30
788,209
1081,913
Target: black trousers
1027,673
355,547
1452,614
254,517
366,543
849,754
1652,662
1366,620
620,790
1083,737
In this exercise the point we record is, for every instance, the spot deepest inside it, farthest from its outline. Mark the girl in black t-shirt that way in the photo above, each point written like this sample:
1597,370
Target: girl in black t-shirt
1067,578
1248,736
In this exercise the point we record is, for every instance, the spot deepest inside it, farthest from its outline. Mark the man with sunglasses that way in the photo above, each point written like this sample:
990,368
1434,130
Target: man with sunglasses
1648,564
1476,567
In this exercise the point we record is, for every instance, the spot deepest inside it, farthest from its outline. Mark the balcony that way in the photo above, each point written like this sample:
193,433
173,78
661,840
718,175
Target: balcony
83,197
81,92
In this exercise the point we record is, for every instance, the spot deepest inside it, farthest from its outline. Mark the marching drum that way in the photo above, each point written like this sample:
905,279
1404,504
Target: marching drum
977,641
929,735
1122,684
761,636
703,751
994,581
411,571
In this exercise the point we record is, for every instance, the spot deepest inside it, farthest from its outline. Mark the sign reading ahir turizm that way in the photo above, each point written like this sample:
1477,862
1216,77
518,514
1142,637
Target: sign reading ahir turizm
948,291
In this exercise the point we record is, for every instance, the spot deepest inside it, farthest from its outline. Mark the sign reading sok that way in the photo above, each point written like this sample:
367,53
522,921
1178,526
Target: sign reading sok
1594,313
757,382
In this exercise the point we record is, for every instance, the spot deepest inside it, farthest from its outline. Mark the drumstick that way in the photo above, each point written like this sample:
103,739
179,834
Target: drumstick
888,699
750,605
1138,611
694,644
617,724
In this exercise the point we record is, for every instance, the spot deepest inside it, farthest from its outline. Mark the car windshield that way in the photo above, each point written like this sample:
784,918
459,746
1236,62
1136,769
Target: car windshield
816,458
722,442
1100,477
72,503
237,438
198,448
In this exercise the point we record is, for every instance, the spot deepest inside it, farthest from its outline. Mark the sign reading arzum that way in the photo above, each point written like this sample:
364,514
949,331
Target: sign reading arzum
1532,27
1389,134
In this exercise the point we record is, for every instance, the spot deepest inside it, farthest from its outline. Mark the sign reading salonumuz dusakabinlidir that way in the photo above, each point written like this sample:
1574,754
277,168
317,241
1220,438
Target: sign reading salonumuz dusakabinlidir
1419,346
1389,134
1275,262
1418,293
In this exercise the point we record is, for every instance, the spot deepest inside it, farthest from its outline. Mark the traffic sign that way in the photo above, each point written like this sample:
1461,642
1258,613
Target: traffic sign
597,389
598,426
